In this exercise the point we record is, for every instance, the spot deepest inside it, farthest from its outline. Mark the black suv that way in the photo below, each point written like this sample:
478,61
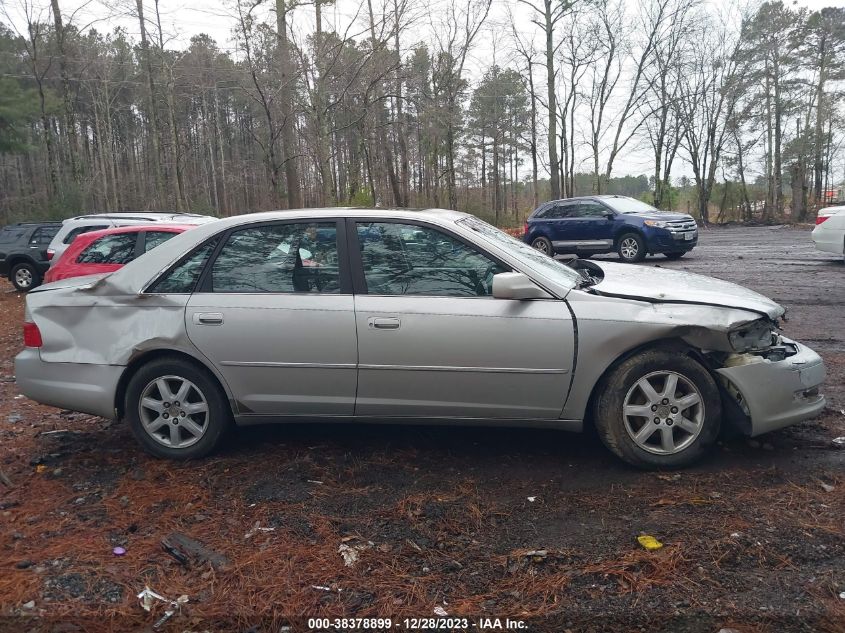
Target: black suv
23,252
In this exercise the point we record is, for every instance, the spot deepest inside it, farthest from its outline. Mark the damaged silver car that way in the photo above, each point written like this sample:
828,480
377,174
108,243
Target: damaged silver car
410,316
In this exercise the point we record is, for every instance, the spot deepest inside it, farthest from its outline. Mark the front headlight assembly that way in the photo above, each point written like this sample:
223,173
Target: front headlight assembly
660,224
754,336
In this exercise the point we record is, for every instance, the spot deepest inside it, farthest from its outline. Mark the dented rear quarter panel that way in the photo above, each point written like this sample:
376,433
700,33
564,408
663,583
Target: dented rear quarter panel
101,326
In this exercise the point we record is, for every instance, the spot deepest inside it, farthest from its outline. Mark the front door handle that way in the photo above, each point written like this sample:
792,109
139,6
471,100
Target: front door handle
384,323
208,318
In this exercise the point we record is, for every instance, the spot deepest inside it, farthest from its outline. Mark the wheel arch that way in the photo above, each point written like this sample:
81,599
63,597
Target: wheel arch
155,354
20,258
540,232
675,345
624,230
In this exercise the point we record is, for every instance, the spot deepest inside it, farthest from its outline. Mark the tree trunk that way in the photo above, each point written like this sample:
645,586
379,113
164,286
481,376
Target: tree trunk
770,183
741,170
778,167
286,90
818,142
533,96
224,210
484,195
69,114
552,103
497,200
215,200
176,148
797,181
155,146
401,126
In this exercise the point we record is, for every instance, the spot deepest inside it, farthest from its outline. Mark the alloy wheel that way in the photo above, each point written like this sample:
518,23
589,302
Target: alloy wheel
663,412
173,411
629,248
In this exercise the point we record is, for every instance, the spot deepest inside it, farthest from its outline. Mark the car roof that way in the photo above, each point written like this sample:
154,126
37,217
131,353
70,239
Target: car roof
138,272
346,212
151,216
21,225
601,196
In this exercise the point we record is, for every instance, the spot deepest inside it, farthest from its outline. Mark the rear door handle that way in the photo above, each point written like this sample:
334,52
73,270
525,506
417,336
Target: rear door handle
384,323
208,318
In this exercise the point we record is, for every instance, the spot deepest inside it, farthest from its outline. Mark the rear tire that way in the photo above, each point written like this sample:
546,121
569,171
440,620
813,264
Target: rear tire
24,277
631,248
543,245
664,385
176,410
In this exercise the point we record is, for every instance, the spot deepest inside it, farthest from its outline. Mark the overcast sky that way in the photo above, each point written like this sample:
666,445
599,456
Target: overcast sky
182,19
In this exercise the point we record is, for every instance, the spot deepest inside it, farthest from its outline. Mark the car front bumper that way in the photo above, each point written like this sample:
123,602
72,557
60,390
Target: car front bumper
779,393
665,241
79,387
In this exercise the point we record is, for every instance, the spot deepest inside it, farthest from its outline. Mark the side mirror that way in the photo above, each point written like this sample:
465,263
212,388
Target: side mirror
516,286
610,215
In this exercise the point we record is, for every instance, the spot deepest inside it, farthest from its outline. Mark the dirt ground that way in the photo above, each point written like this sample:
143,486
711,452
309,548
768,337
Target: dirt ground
538,526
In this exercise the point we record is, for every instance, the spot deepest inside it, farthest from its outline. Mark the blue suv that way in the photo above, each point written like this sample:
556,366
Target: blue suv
604,224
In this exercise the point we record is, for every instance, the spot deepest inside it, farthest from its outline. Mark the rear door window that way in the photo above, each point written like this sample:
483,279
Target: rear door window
299,257
110,249
43,236
593,210
561,210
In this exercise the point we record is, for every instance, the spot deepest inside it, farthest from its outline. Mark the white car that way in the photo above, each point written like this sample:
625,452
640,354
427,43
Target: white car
829,234
99,221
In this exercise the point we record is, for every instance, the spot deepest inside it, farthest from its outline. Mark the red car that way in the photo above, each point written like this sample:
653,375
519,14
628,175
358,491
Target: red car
110,249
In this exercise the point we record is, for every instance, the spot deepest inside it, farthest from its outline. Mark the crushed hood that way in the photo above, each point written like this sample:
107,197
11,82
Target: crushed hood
662,285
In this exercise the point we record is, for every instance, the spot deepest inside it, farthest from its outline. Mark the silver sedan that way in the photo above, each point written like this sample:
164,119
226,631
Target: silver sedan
410,316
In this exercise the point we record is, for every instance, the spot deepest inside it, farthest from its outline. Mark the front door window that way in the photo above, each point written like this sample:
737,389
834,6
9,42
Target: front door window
407,259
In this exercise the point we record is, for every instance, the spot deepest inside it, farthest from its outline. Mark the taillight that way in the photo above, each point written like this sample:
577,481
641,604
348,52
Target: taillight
525,228
821,218
50,253
31,335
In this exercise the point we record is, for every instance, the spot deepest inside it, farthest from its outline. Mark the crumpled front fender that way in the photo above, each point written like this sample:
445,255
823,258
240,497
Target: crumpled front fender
610,327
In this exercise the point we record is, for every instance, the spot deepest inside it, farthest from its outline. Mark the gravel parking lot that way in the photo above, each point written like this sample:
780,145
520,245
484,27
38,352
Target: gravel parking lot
534,525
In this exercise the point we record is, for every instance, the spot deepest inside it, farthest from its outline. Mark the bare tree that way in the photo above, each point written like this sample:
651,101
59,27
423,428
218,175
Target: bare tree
455,38
287,83
662,125
709,92
546,14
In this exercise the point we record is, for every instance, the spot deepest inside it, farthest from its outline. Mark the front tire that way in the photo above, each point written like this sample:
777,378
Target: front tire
543,245
25,277
631,248
176,410
658,409
674,256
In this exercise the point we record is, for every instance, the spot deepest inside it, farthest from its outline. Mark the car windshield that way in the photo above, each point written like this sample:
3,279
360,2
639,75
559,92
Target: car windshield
630,205
533,258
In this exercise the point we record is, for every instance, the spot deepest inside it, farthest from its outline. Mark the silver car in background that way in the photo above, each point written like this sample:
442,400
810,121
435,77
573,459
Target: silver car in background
410,316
